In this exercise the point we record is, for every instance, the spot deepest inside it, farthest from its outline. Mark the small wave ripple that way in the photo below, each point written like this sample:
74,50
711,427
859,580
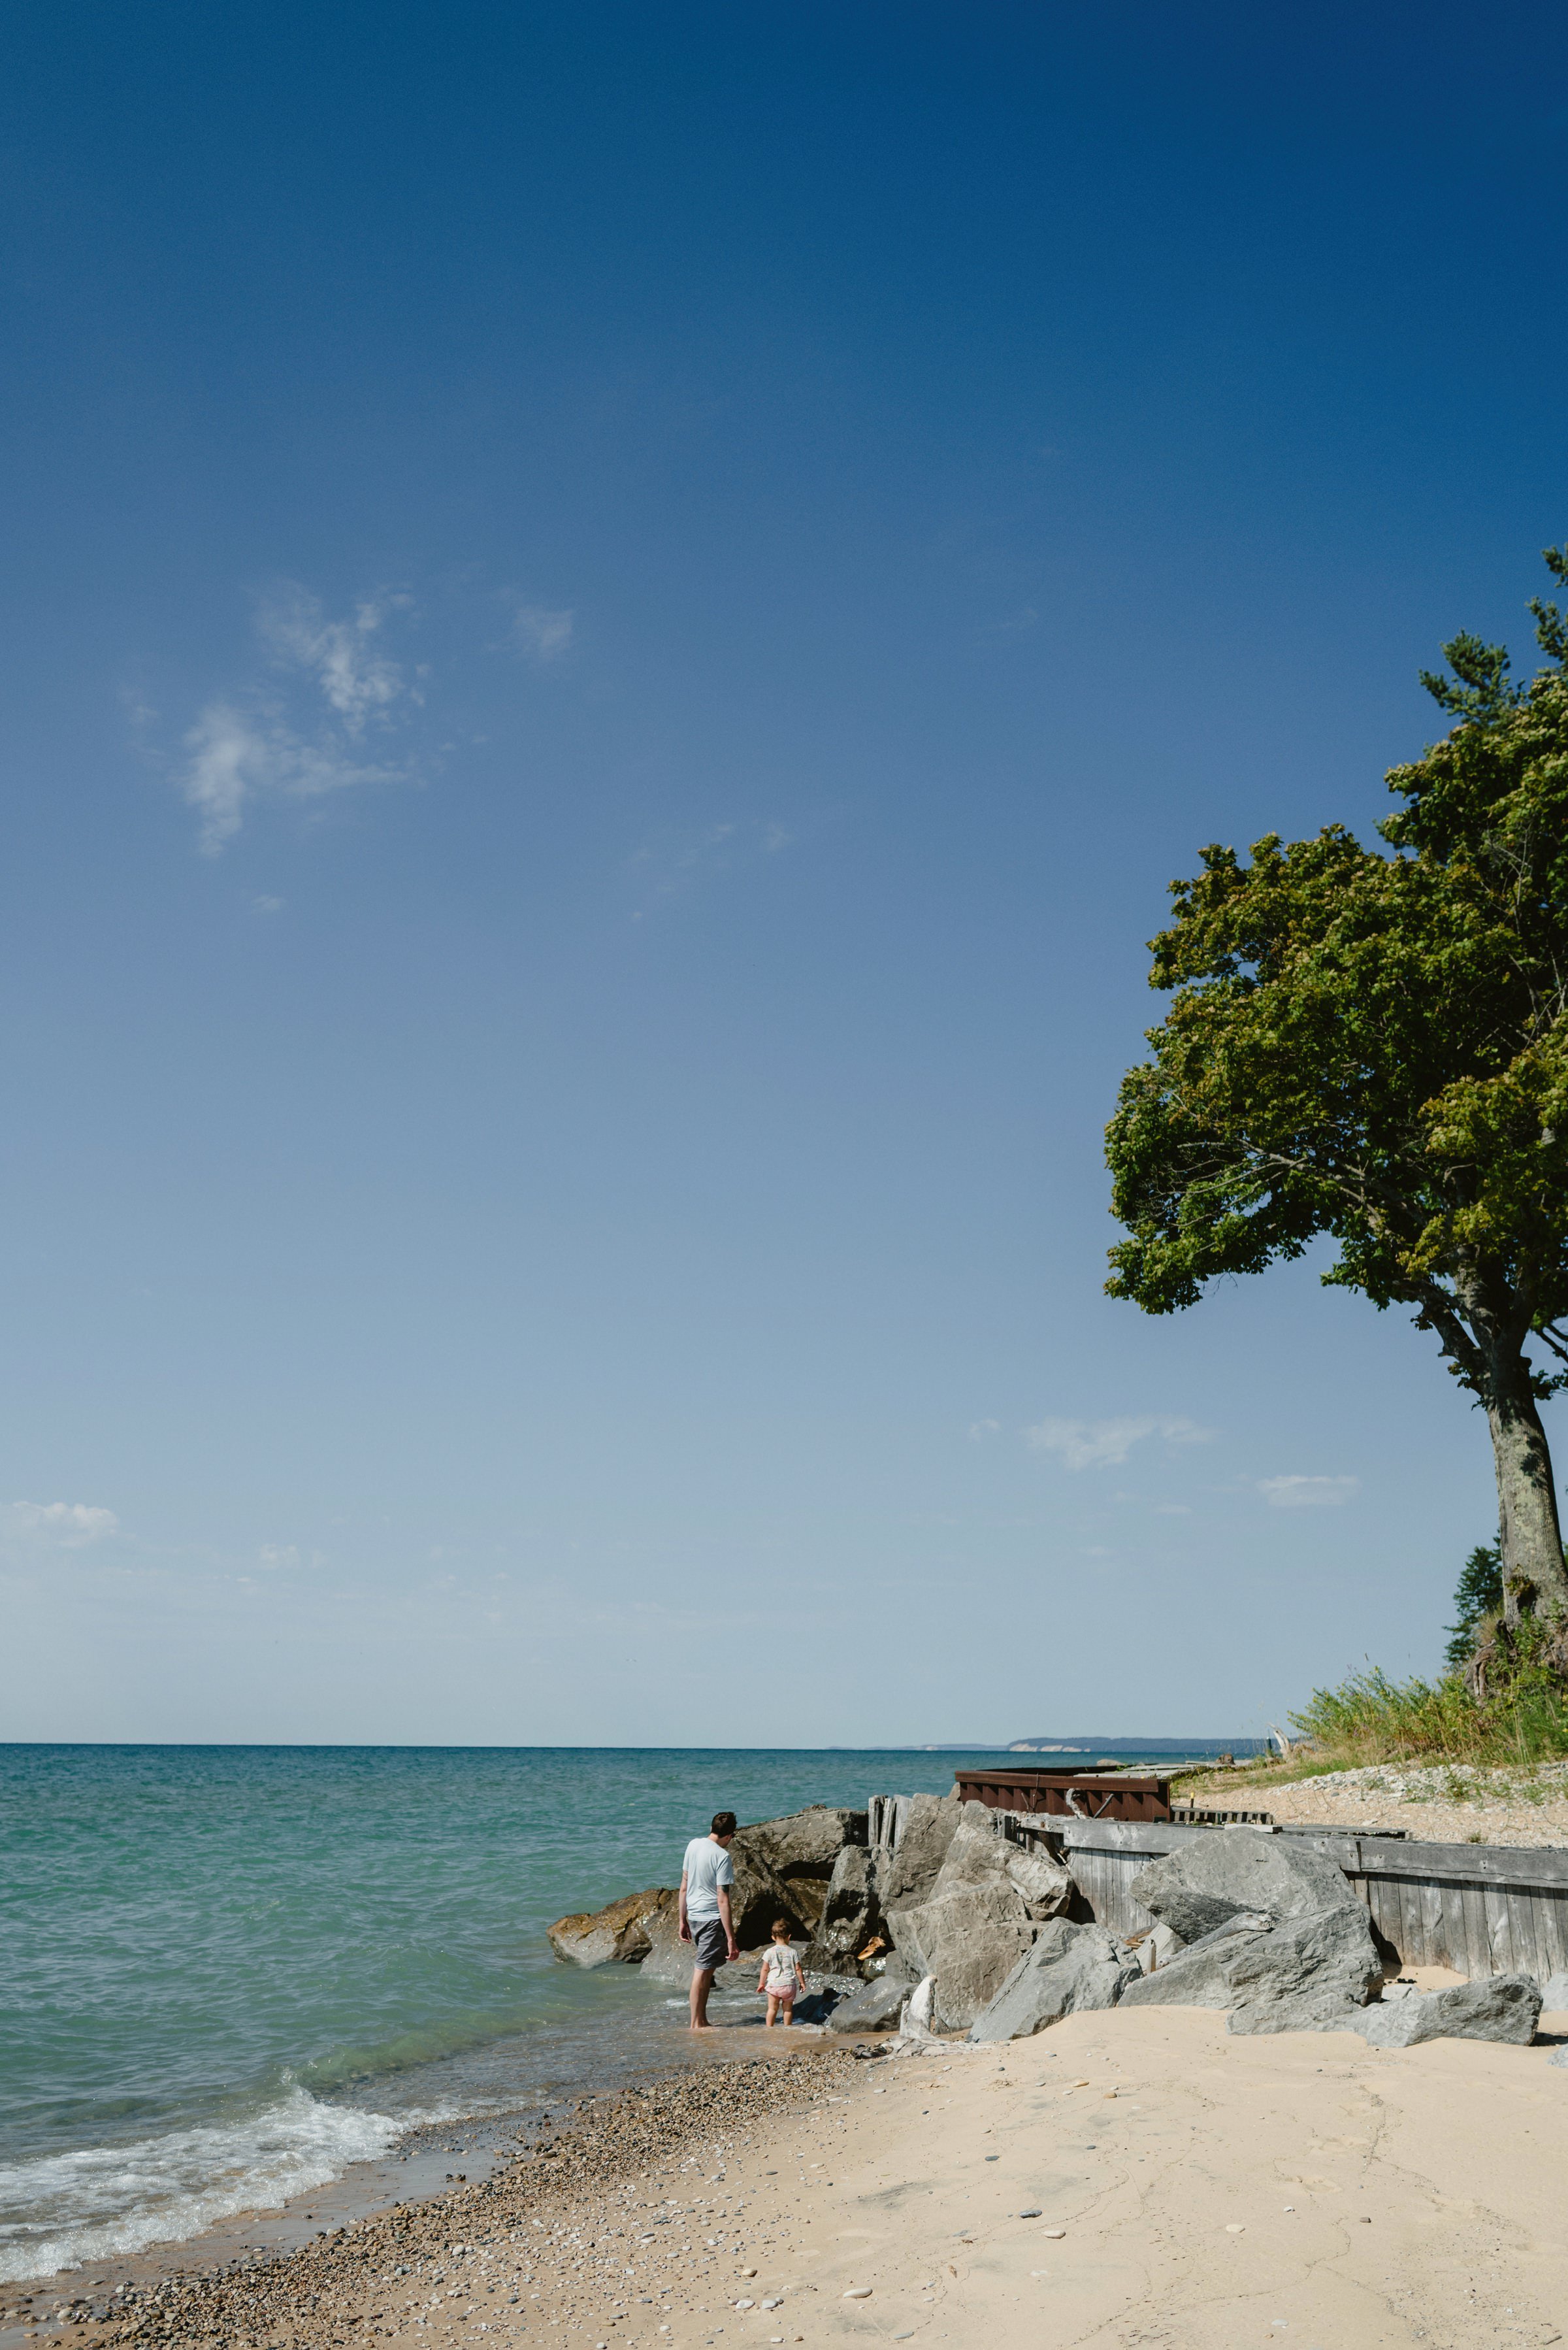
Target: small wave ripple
60,2209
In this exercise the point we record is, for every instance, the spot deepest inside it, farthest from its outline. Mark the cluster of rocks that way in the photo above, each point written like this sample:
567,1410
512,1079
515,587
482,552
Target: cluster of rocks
811,1868
1259,1925
1264,1928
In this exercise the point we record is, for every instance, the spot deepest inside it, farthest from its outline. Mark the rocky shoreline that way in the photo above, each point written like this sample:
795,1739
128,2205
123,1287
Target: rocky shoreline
476,2253
954,1921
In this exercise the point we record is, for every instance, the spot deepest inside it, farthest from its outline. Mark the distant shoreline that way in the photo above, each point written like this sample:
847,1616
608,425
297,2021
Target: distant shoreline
1126,1749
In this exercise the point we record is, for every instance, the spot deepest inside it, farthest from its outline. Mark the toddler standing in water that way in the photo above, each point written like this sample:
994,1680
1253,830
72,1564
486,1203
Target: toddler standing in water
781,1977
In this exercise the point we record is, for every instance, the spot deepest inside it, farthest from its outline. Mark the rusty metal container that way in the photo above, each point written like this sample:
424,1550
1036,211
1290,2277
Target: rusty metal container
1085,1795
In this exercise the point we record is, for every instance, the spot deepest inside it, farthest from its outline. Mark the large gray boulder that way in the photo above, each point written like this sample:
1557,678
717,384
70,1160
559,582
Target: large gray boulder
1069,1969
986,1904
980,1854
1497,2007
756,1898
1199,1975
851,1914
669,1960
1554,1993
783,1868
760,1894
970,1939
1218,1874
625,1929
929,1826
796,1853
1301,1974
1307,1971
876,2005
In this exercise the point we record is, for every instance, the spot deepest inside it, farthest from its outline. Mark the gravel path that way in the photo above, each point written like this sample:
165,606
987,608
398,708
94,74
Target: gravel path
1443,1803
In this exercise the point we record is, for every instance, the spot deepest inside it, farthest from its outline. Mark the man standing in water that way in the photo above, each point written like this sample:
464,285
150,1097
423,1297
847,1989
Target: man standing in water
705,1882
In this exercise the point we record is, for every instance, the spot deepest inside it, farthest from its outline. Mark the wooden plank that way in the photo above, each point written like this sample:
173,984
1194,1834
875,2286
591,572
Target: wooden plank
1344,1851
1373,1856
1383,1906
1146,1838
1532,1906
1473,1955
1105,1879
1539,1905
1470,1864
1411,1937
1434,1902
1518,1907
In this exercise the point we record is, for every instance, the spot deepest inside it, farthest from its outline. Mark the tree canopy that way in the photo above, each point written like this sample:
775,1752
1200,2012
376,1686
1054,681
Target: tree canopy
1372,1045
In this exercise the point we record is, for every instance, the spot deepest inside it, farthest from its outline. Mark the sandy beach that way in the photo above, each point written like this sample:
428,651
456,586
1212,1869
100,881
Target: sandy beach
1137,2177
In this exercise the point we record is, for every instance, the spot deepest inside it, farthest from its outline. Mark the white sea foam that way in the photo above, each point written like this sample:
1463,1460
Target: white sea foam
59,2210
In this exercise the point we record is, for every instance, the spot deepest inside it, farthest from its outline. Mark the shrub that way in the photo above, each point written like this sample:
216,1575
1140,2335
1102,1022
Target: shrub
1370,1719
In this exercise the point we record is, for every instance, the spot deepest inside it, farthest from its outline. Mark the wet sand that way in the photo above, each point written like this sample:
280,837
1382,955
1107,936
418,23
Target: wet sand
1126,2179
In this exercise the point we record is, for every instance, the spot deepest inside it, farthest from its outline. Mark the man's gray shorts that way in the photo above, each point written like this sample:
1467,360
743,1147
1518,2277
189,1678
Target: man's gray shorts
710,1941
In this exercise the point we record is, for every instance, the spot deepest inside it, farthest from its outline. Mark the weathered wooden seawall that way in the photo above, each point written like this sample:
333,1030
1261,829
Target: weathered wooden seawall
1483,1909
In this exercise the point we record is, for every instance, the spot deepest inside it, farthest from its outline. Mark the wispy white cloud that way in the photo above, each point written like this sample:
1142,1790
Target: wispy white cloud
304,736
266,905
543,635
1308,1493
58,1525
980,1430
234,757
679,863
1105,1443
354,679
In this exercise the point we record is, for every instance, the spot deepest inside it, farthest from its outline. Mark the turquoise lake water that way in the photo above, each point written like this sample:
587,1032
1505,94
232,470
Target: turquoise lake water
229,1972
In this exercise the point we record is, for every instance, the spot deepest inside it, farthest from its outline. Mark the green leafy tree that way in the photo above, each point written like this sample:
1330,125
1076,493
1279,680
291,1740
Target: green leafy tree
1479,1595
1372,1047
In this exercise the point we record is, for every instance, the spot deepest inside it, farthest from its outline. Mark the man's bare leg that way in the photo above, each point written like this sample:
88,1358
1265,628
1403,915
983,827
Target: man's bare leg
702,1984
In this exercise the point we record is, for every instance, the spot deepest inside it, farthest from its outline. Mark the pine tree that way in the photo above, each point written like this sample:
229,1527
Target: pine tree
1480,1595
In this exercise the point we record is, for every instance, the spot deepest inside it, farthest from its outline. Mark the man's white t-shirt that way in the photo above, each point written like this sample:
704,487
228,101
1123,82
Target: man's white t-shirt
707,1866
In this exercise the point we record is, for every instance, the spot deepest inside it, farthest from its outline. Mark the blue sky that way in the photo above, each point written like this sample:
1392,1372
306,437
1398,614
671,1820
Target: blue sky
618,621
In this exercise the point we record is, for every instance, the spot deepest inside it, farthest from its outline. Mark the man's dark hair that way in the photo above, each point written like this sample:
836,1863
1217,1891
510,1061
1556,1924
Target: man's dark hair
724,1823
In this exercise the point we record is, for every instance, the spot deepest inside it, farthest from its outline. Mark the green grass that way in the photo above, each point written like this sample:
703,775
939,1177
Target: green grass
1370,1719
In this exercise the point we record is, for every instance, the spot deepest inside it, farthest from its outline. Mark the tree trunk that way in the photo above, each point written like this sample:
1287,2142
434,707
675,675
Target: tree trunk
1529,1535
